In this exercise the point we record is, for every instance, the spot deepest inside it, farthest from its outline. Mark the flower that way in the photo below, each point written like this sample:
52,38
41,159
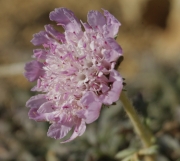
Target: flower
74,71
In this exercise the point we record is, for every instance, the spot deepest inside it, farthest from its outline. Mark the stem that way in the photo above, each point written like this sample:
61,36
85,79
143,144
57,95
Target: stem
140,129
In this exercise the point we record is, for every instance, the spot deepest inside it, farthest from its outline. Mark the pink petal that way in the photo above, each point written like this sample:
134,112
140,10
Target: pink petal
96,19
47,107
81,128
34,115
86,26
114,45
93,107
114,93
82,114
39,54
112,24
58,131
40,38
78,131
66,18
104,88
115,76
36,101
111,55
50,30
33,70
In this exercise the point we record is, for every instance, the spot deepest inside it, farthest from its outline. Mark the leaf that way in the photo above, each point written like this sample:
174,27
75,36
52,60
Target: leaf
125,153
149,151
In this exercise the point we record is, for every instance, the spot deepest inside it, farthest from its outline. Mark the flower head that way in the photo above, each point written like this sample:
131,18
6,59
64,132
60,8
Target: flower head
74,71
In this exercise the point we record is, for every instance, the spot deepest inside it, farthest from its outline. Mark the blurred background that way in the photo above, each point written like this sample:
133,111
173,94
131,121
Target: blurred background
150,38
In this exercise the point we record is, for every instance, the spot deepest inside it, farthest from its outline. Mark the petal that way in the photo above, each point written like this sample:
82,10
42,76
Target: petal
66,18
112,24
54,33
114,45
80,128
86,26
58,131
46,107
114,93
110,55
33,70
93,107
36,101
39,54
104,88
34,115
78,131
115,76
40,38
81,114
96,19
72,38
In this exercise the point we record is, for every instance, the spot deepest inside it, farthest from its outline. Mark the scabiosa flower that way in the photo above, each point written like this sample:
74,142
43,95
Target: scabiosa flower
74,71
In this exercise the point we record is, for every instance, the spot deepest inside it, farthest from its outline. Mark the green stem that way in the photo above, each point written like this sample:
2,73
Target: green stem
141,130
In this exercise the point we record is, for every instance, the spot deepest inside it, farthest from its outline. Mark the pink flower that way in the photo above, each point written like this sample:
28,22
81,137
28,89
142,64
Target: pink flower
74,71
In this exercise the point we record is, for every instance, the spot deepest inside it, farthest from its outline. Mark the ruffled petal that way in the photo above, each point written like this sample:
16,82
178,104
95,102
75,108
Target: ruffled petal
58,131
40,38
34,115
81,114
114,93
66,18
96,19
36,101
78,131
113,24
39,54
115,76
54,33
33,70
47,107
114,45
86,26
110,55
93,107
